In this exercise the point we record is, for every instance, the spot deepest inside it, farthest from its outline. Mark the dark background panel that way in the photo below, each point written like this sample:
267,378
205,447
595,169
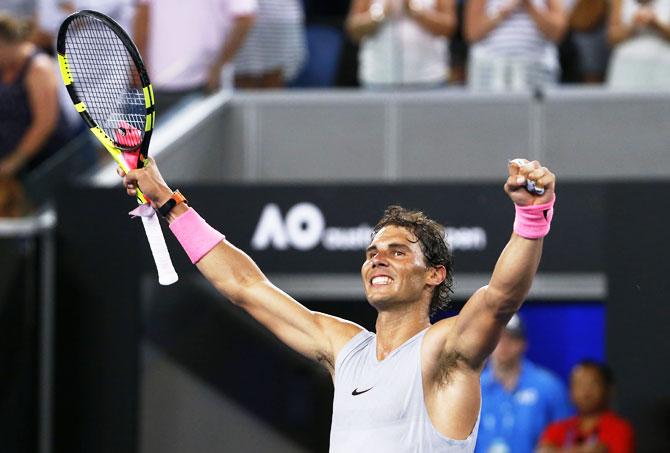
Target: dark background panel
19,355
638,253
613,227
236,211
97,324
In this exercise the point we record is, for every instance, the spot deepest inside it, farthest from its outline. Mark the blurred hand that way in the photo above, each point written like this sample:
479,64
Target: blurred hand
11,164
150,182
391,9
510,6
520,171
643,17
412,8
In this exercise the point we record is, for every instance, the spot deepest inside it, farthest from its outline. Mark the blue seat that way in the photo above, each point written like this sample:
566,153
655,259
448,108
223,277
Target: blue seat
324,46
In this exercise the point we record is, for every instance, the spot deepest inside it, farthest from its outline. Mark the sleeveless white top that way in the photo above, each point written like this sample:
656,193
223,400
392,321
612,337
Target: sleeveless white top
402,52
379,406
513,56
643,61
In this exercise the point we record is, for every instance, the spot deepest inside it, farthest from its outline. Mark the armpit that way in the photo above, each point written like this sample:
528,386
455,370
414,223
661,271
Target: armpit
446,365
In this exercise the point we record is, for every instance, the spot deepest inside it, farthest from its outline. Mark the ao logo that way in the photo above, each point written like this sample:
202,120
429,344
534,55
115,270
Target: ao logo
304,228
301,229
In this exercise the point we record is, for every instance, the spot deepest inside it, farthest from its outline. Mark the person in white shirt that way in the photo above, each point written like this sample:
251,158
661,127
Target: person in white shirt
187,45
403,43
275,48
513,43
640,35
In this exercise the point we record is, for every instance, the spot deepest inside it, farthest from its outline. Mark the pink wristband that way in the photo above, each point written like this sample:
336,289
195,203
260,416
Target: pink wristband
195,235
533,222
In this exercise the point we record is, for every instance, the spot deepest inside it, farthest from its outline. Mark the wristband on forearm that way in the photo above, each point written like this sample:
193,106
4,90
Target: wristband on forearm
195,235
534,221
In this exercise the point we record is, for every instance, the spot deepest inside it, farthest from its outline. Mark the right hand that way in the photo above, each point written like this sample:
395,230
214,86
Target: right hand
150,182
392,10
508,8
643,17
520,171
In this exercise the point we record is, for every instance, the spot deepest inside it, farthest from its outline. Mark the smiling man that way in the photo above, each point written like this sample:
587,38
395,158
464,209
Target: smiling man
411,386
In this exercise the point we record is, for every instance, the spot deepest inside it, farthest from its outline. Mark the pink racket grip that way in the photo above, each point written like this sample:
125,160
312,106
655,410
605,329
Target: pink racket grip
195,235
534,221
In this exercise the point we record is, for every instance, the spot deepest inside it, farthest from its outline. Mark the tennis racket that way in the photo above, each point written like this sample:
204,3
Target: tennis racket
109,86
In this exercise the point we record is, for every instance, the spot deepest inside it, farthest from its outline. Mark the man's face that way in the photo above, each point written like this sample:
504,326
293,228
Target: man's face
588,391
510,349
395,269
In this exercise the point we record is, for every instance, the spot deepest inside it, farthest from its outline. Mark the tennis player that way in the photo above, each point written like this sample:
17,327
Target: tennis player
411,386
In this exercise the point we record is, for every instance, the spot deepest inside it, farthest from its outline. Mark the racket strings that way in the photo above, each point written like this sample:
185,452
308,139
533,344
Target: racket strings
106,79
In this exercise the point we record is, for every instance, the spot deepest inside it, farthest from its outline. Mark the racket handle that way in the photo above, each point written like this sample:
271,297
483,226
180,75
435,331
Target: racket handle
166,273
141,199
532,188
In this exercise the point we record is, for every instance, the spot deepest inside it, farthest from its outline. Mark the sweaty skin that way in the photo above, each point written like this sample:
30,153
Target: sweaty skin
399,284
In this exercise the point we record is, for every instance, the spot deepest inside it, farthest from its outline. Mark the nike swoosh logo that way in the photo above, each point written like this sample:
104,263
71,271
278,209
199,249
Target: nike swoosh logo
356,392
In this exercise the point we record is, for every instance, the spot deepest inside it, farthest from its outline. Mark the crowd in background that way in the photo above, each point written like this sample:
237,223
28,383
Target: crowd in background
486,45
526,408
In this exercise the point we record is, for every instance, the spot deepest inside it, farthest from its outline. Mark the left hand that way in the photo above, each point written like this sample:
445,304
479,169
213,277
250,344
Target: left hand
412,8
643,17
10,165
520,171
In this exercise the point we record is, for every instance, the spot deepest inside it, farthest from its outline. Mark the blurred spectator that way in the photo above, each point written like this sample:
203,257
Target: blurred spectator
458,49
51,13
187,45
596,429
275,48
519,398
13,202
22,9
639,32
588,35
513,43
33,127
403,42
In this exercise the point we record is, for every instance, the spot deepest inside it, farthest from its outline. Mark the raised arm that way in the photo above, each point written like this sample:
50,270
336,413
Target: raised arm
477,328
644,17
238,278
365,17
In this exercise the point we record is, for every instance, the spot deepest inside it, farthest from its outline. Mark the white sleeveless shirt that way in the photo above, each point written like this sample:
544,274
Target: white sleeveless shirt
642,62
401,52
513,56
379,406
